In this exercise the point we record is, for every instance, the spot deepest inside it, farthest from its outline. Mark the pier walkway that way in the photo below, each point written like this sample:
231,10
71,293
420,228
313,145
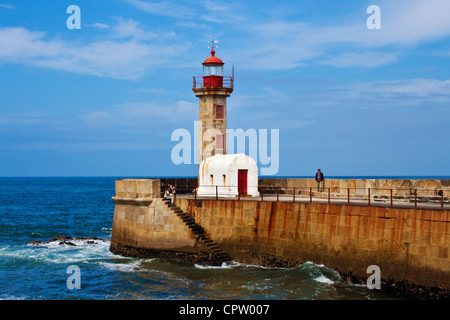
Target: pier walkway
412,199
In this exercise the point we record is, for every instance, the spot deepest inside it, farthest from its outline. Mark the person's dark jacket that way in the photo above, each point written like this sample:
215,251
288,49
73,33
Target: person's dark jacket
319,176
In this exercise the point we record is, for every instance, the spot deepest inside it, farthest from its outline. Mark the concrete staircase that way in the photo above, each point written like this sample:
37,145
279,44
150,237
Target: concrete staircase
200,233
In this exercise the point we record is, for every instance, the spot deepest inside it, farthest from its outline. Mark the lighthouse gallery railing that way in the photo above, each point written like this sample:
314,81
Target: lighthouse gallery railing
227,82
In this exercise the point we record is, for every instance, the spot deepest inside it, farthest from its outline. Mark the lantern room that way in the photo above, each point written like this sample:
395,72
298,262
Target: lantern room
213,75
213,71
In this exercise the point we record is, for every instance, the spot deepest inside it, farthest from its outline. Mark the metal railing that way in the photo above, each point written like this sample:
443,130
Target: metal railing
417,198
227,82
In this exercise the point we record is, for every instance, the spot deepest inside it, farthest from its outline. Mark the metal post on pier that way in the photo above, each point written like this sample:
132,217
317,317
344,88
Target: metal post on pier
278,188
391,199
348,196
415,198
293,195
442,199
217,193
368,202
310,195
328,195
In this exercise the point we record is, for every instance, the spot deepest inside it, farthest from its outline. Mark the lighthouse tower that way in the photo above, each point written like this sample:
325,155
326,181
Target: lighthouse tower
212,90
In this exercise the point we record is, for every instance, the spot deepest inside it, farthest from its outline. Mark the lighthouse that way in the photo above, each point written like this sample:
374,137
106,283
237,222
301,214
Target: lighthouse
219,173
212,89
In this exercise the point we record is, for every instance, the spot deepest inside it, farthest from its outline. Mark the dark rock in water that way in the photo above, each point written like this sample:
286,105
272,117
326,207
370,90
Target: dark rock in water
68,243
67,240
36,243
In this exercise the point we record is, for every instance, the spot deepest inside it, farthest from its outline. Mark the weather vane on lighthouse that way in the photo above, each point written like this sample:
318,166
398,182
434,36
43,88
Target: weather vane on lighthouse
212,46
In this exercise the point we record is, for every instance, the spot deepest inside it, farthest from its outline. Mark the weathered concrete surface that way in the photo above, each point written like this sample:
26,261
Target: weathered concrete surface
138,189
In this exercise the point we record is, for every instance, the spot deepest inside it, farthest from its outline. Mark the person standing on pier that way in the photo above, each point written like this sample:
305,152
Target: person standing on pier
319,179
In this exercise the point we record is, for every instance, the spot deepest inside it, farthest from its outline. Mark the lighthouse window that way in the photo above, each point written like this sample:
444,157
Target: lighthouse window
219,111
213,70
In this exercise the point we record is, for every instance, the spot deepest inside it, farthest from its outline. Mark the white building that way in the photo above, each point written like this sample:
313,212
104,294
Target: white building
228,174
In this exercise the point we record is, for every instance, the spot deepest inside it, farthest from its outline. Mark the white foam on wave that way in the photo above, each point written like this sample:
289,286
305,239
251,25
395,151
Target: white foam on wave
77,243
224,265
230,265
235,264
315,264
12,297
57,252
132,266
323,279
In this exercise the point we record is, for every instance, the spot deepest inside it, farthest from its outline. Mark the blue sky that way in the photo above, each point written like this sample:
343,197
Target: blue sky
105,99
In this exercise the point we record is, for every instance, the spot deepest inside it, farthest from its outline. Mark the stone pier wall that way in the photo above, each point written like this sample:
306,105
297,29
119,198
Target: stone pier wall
144,226
410,246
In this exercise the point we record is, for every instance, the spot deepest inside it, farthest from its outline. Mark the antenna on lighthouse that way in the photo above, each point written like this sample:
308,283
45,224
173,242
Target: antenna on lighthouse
213,42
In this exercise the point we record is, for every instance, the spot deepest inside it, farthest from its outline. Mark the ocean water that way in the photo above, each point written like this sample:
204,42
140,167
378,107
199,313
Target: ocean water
38,209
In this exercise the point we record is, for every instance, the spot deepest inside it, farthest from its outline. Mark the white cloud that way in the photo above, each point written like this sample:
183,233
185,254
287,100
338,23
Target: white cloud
7,6
141,114
98,119
98,25
210,12
117,57
24,119
133,30
423,88
412,21
211,6
130,48
277,45
165,8
381,94
192,24
366,59
17,44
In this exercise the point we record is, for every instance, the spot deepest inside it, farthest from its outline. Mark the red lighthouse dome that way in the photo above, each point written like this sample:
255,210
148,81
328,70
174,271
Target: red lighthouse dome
213,59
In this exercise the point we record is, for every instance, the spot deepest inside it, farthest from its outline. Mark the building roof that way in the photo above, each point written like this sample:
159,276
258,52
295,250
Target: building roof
227,162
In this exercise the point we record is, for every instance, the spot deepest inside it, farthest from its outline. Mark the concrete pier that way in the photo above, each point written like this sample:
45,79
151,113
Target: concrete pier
409,245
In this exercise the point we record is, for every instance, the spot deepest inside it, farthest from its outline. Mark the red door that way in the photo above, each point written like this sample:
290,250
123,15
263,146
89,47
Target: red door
242,181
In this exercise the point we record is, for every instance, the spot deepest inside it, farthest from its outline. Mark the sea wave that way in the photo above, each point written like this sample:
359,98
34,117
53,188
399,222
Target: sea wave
131,266
224,265
55,252
323,279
